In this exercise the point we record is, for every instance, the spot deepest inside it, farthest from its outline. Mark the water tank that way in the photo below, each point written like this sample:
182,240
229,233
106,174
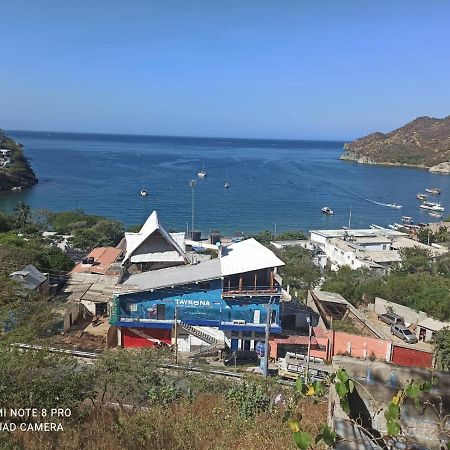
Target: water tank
214,238
194,235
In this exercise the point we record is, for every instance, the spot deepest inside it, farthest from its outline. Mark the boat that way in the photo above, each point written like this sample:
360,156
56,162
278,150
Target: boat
434,191
144,192
407,219
226,185
328,211
421,196
435,214
202,173
393,205
393,226
432,206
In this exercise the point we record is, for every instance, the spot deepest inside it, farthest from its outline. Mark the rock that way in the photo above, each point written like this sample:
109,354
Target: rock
443,167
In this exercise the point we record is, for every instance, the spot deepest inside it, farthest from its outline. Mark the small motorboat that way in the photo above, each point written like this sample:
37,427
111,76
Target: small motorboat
407,219
393,205
435,214
202,173
328,211
144,192
227,185
421,196
433,191
435,207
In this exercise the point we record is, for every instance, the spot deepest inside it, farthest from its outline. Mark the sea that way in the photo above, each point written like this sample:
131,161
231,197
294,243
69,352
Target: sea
275,185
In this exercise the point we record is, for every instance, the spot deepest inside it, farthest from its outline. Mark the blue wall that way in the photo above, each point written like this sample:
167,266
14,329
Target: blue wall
195,306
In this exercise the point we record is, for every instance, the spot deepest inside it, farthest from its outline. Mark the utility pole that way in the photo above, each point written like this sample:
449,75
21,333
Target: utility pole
192,184
266,342
275,229
308,319
176,334
350,218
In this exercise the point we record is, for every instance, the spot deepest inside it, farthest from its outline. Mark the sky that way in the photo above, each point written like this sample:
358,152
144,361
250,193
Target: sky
322,69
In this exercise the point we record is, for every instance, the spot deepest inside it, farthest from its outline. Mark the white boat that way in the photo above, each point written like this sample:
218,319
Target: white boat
434,191
202,173
407,219
430,206
393,205
435,214
421,196
144,192
393,226
226,185
328,211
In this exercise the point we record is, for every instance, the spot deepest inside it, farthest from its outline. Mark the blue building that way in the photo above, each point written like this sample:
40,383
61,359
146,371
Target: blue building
219,303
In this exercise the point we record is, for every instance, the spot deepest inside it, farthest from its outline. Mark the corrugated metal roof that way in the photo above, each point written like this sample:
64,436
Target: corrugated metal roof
203,271
247,256
29,277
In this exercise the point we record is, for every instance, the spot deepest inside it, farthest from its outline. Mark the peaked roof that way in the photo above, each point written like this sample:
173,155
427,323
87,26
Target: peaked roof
246,256
29,277
152,224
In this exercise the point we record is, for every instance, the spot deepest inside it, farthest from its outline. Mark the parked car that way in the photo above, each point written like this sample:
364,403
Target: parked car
241,357
391,319
404,333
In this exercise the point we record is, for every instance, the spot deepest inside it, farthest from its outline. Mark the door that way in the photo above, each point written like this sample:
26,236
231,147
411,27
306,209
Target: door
246,345
160,312
256,316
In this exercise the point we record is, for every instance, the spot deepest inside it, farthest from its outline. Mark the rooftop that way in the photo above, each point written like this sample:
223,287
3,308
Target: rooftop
203,271
104,258
365,232
171,248
91,287
247,256
29,277
240,257
432,324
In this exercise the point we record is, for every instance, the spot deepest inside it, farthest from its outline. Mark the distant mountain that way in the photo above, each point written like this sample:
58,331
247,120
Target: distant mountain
15,170
424,142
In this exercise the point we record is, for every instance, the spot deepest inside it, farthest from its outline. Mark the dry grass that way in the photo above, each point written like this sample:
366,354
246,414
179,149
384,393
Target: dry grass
206,423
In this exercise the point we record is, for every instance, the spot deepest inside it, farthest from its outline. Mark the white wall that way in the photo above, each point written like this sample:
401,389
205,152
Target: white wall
382,306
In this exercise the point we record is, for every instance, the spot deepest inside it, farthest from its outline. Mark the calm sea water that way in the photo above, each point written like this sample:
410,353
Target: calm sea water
282,184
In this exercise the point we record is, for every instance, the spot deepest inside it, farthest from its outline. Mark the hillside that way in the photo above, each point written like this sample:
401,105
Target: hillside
424,142
15,170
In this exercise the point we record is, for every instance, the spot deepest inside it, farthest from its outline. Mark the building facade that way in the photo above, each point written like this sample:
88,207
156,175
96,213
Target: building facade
225,302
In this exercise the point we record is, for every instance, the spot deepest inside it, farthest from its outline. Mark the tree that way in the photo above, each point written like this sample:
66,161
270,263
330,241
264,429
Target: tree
414,259
299,271
22,214
442,343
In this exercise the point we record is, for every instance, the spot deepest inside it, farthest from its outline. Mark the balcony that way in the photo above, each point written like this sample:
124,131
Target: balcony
246,291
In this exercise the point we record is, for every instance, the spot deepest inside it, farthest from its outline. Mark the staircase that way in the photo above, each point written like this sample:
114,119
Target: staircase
200,334
207,351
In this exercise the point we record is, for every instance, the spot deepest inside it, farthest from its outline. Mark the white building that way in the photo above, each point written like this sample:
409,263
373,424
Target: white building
376,249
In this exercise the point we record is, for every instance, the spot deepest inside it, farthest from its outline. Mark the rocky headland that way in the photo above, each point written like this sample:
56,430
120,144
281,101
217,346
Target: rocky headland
424,143
15,170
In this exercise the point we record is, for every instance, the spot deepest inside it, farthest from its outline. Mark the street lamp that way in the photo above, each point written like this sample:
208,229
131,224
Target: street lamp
308,320
192,185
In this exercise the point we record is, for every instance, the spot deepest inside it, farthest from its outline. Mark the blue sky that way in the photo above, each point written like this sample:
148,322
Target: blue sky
278,69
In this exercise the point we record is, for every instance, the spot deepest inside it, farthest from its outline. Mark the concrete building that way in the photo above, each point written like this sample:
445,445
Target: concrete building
219,303
31,278
375,249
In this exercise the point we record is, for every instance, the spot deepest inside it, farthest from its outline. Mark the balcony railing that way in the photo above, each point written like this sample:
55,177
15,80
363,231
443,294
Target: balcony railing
230,291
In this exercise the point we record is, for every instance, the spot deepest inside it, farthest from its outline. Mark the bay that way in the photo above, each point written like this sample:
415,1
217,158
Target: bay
280,184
